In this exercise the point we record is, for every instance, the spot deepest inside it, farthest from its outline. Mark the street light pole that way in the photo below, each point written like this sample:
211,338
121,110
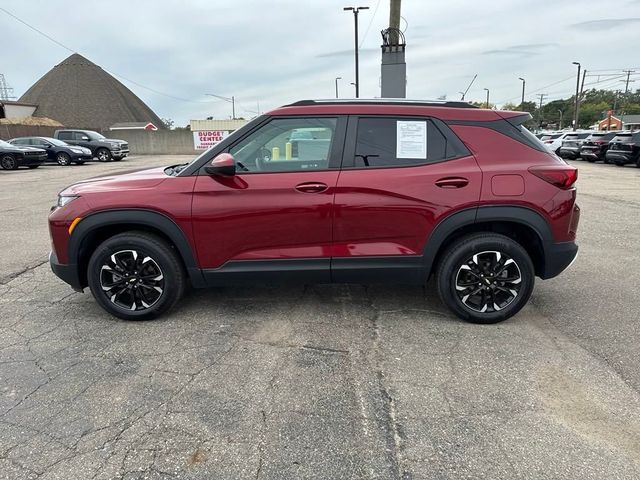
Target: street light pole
337,78
355,11
231,100
522,101
577,105
560,125
487,90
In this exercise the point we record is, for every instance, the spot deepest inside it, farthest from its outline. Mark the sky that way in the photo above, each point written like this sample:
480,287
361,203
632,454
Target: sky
268,53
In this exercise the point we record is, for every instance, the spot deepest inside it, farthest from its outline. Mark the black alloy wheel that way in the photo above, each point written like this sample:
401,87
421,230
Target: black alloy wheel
485,277
8,162
136,276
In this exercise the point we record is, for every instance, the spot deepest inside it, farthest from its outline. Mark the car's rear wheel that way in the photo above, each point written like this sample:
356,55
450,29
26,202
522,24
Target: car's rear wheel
136,276
63,159
485,278
8,162
103,154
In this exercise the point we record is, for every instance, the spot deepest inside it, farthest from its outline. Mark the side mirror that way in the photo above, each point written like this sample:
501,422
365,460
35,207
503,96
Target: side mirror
85,138
223,165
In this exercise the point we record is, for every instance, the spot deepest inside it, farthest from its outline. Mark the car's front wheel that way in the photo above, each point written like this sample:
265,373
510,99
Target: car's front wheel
8,162
485,277
63,159
103,155
136,276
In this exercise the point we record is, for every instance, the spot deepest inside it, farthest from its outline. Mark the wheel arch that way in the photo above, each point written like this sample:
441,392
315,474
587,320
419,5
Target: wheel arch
522,224
98,227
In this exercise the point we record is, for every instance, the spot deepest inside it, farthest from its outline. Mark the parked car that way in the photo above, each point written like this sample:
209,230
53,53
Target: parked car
624,148
14,156
104,149
554,141
57,150
386,191
571,144
595,146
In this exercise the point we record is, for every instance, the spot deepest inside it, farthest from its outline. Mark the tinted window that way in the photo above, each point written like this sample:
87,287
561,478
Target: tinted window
65,135
20,141
286,145
389,142
80,136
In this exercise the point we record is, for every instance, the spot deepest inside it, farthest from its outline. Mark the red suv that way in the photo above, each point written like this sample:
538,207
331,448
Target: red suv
332,191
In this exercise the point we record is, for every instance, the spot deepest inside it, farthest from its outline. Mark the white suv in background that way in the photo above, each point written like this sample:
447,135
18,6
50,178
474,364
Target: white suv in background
553,141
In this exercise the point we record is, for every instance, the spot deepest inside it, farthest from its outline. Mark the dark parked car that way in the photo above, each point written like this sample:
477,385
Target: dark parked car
381,191
624,148
57,150
13,156
571,144
104,149
595,146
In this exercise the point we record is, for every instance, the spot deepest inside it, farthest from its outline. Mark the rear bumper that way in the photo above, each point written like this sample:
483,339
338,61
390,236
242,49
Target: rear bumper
591,155
569,152
558,257
67,273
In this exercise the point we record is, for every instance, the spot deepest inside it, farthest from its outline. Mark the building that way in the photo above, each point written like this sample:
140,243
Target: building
610,124
13,110
80,94
630,122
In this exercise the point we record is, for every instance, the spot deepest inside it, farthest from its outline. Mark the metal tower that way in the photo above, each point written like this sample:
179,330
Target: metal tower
6,92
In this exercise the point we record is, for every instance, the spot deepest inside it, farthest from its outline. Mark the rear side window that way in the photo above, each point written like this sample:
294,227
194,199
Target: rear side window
395,142
65,135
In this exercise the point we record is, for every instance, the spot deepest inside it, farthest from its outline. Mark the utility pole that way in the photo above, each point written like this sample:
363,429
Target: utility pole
577,102
522,101
487,90
560,123
337,78
541,95
393,67
355,11
626,87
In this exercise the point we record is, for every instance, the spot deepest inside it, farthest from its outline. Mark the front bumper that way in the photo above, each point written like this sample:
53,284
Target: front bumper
30,160
67,273
80,156
558,257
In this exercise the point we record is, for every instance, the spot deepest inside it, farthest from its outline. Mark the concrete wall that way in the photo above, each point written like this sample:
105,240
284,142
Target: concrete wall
9,131
144,142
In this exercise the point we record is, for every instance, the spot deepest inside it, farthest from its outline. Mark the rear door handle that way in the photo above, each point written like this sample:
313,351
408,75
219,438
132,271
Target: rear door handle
452,182
312,187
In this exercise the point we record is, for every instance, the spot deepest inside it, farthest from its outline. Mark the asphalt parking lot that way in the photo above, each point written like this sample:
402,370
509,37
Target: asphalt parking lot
321,381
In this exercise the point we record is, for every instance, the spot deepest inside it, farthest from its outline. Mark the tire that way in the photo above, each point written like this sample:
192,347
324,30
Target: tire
591,160
63,159
117,159
153,257
477,257
8,162
619,164
103,154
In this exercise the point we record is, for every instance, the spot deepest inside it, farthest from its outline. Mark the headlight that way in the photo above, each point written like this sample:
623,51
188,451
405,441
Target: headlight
64,199
115,145
77,150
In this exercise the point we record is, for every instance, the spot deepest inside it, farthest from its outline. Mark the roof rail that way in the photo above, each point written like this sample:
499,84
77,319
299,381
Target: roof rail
383,101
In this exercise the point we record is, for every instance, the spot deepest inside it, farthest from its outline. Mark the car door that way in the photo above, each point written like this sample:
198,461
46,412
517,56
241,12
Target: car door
81,139
400,177
274,215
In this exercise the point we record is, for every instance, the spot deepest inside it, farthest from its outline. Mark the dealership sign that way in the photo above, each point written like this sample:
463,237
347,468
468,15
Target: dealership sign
205,139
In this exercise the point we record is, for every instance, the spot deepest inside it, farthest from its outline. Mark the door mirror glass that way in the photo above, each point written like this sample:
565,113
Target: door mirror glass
223,165
84,137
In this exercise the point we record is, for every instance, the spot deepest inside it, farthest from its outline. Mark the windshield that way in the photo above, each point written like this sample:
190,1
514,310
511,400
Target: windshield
5,144
622,138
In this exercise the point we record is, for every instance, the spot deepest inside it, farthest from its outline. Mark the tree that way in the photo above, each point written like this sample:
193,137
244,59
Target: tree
168,123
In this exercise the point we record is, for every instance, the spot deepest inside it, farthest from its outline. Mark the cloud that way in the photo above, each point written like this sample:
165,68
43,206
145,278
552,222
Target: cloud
606,24
346,53
525,50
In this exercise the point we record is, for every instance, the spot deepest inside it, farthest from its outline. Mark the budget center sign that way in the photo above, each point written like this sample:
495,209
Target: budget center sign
205,139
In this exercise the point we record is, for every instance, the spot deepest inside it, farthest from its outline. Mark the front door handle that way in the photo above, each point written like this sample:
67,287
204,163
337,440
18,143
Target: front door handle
452,182
312,187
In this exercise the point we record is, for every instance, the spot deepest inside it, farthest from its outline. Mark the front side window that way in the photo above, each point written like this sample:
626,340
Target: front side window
286,145
389,142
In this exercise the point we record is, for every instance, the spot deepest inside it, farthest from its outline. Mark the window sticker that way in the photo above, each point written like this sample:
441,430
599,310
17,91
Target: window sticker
411,139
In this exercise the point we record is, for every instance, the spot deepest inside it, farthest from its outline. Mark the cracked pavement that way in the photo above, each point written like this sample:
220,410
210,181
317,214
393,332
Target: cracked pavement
321,381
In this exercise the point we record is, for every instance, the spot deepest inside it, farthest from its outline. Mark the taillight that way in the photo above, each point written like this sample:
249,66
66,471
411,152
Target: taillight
562,176
548,141
600,143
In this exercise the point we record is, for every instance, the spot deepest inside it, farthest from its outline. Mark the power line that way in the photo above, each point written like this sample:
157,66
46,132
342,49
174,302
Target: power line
60,44
375,10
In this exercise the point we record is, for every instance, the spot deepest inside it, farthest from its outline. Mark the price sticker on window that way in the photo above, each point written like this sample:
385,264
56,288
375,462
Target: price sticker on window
411,139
